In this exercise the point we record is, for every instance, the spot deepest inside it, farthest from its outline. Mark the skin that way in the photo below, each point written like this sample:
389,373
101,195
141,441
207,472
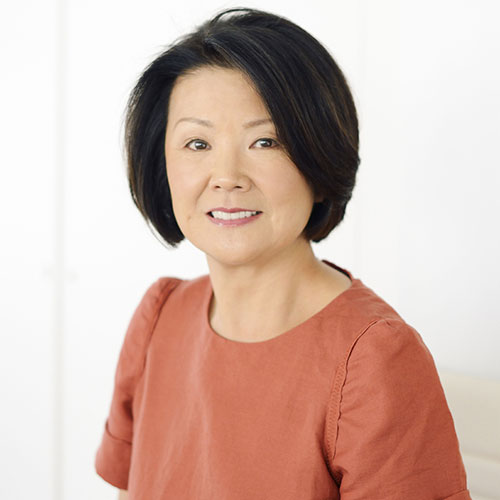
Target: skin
265,276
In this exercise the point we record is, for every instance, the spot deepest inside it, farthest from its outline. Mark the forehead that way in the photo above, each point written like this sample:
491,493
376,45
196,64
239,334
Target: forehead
207,87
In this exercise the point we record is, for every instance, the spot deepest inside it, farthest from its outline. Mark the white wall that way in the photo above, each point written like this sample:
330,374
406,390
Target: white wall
421,228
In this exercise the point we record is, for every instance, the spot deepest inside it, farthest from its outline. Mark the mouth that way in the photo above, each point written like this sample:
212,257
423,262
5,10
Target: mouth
254,212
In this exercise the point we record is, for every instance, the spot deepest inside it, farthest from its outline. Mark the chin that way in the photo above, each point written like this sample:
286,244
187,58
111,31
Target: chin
230,257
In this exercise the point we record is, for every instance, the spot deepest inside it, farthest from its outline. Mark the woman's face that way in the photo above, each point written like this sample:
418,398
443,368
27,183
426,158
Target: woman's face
227,163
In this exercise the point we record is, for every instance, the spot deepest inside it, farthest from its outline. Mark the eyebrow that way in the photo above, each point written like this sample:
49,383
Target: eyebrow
207,123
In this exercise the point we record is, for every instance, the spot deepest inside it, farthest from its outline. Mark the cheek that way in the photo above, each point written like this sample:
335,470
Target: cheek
291,190
292,200
181,180
186,190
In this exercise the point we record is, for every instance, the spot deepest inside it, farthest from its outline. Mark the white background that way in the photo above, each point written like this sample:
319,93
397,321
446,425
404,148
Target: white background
76,256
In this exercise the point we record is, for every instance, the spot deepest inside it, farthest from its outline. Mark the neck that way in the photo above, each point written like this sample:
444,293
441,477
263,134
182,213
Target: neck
261,299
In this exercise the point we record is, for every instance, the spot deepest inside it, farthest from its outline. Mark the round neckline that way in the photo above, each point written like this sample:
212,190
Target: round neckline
287,334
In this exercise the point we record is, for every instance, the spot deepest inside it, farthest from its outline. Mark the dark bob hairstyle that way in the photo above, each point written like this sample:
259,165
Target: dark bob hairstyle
304,90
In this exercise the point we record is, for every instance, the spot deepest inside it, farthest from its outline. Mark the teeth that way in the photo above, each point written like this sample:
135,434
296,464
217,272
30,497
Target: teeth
234,215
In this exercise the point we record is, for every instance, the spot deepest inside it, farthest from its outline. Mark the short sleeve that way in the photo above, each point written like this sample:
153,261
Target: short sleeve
112,459
390,432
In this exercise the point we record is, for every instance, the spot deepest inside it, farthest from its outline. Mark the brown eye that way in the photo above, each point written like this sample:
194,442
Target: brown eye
267,140
197,141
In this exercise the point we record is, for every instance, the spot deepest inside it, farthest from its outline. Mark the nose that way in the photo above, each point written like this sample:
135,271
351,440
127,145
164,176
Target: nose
229,172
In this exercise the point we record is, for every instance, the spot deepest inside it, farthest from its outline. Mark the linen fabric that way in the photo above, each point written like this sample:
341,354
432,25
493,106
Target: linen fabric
347,405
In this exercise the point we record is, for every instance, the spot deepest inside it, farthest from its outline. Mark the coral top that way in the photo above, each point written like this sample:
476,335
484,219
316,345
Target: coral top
347,405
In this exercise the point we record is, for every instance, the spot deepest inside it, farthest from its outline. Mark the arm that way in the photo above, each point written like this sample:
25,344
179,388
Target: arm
123,495
392,435
112,459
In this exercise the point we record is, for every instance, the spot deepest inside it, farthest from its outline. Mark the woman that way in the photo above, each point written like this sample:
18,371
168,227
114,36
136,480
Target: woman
277,375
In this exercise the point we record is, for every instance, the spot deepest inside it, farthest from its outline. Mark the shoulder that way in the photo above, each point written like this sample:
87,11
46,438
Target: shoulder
159,290
379,332
142,323
387,344
386,351
357,311
183,294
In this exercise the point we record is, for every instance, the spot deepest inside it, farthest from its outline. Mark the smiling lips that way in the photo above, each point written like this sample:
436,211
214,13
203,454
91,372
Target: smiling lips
233,217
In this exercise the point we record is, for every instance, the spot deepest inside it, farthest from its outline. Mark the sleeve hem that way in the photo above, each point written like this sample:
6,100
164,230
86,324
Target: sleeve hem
462,495
112,460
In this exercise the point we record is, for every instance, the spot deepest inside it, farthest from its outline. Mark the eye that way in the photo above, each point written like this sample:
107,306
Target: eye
196,141
268,140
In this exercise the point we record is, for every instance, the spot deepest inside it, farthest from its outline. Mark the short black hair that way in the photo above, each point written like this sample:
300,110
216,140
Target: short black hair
301,85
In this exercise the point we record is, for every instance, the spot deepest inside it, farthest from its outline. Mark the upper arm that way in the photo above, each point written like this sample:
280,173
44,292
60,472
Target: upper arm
123,495
394,434
112,460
